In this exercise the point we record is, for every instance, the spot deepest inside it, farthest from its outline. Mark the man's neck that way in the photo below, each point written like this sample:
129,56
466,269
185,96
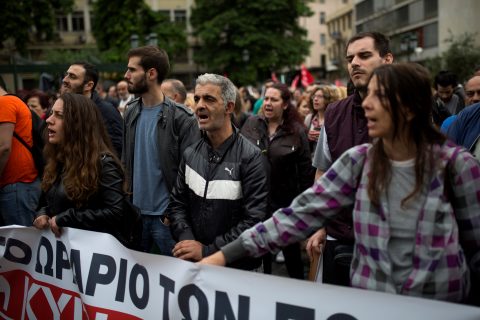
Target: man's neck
153,97
218,137
362,92
3,92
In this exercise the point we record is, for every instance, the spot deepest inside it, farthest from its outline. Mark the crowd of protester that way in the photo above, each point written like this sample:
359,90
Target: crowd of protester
226,175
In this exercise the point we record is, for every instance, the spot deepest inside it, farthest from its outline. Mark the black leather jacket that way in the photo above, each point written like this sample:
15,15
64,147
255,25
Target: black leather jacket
103,212
177,129
219,194
288,155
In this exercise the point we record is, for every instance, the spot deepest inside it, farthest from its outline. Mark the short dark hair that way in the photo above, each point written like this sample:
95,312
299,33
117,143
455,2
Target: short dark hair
381,41
152,57
91,72
445,78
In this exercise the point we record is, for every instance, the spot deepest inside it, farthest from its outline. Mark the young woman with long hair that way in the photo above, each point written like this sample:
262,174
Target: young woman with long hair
416,199
83,181
280,134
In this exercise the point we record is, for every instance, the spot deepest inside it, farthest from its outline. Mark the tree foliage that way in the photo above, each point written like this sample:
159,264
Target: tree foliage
115,21
25,21
462,57
248,39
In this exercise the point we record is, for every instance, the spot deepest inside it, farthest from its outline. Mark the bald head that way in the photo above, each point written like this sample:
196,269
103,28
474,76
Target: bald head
175,90
122,89
472,90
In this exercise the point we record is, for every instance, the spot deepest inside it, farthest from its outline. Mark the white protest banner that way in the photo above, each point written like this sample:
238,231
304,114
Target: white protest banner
89,275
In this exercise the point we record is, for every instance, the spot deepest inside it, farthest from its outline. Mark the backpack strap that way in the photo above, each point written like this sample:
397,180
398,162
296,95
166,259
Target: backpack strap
22,141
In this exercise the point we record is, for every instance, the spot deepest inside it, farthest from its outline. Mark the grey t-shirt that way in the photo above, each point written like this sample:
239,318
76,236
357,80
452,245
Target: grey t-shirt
322,160
150,192
402,220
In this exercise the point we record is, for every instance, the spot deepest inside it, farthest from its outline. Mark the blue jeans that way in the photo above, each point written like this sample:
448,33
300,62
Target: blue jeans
18,203
155,231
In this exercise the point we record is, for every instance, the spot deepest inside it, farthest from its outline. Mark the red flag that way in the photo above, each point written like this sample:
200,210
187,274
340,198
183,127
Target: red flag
294,84
274,77
307,77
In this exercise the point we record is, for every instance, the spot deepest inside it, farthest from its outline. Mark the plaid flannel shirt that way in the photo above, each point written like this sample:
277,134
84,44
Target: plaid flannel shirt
439,265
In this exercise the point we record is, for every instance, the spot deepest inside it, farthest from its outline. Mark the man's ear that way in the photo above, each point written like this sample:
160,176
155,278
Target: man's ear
229,107
88,86
152,74
388,58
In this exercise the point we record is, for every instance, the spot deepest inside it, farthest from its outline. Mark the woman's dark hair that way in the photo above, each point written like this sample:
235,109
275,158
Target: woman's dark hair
290,114
405,92
42,98
77,160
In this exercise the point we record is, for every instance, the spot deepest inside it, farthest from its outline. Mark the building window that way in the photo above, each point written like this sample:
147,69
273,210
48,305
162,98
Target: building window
349,21
322,17
165,13
62,23
364,9
180,17
78,23
323,60
323,39
430,35
430,8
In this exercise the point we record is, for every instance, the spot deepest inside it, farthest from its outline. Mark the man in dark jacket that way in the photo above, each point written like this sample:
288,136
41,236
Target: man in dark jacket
157,131
345,126
222,184
82,78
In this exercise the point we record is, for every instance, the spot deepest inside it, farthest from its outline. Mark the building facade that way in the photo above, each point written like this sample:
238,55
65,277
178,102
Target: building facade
418,28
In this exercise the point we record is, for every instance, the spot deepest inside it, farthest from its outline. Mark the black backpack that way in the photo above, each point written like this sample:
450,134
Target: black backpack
38,127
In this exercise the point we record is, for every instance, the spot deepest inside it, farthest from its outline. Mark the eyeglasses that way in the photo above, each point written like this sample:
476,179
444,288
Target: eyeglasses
317,96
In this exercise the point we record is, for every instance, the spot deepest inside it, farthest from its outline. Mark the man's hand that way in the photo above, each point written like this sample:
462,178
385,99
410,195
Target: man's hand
216,259
55,228
188,250
313,135
316,243
41,222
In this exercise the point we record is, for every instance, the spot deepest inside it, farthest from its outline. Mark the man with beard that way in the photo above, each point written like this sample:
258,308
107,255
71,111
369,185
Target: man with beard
157,131
82,78
345,126
222,186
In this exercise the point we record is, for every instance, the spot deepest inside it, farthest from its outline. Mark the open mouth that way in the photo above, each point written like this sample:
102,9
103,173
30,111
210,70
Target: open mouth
202,117
51,132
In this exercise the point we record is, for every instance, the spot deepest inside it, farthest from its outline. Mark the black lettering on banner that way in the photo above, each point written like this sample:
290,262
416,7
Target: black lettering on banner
184,295
27,251
139,302
61,262
48,269
94,275
290,312
76,268
122,279
169,286
223,308
341,316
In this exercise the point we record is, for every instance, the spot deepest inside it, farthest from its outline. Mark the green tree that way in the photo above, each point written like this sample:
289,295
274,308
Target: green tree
462,56
25,21
248,39
115,21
